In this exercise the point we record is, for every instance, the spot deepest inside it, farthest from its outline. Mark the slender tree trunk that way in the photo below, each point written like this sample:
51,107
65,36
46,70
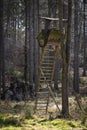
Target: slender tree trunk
60,13
25,47
84,43
8,18
31,43
2,49
18,21
65,47
3,66
67,51
57,63
76,47
65,109
1,40
36,47
49,8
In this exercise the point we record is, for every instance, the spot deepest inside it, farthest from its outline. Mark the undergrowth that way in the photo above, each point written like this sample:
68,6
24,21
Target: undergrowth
22,118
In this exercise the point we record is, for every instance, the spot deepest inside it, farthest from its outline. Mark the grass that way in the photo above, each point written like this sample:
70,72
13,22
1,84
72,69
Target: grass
7,120
20,117
14,123
57,124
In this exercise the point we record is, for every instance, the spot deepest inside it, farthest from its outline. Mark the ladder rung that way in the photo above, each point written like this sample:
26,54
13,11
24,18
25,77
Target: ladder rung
45,77
48,73
43,92
49,45
41,109
46,67
42,79
43,95
50,50
42,102
48,60
47,81
47,63
48,56
47,70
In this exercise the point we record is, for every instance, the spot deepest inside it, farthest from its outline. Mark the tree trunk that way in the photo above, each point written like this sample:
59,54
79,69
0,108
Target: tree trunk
1,40
84,43
25,47
36,47
67,53
65,47
8,19
60,13
76,47
31,43
2,51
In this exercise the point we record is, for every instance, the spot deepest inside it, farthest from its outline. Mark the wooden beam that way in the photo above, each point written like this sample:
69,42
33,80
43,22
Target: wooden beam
53,19
53,97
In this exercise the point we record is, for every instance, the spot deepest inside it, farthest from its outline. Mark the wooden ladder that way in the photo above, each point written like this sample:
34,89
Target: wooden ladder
46,73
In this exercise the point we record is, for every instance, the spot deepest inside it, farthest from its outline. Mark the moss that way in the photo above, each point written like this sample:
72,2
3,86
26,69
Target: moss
51,36
42,38
56,35
6,120
28,114
84,117
57,124
14,122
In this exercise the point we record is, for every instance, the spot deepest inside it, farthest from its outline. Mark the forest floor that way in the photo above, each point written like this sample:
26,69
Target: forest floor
19,115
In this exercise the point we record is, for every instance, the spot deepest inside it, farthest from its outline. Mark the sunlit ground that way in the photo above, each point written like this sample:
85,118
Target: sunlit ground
19,116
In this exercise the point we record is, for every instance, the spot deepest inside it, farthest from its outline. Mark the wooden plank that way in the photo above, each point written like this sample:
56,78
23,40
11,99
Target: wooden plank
48,61
49,56
47,64
41,106
46,67
53,19
41,109
54,98
50,50
47,71
40,102
42,92
41,81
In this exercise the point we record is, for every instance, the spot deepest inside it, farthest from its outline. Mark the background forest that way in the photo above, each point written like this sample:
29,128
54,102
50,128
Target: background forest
25,25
